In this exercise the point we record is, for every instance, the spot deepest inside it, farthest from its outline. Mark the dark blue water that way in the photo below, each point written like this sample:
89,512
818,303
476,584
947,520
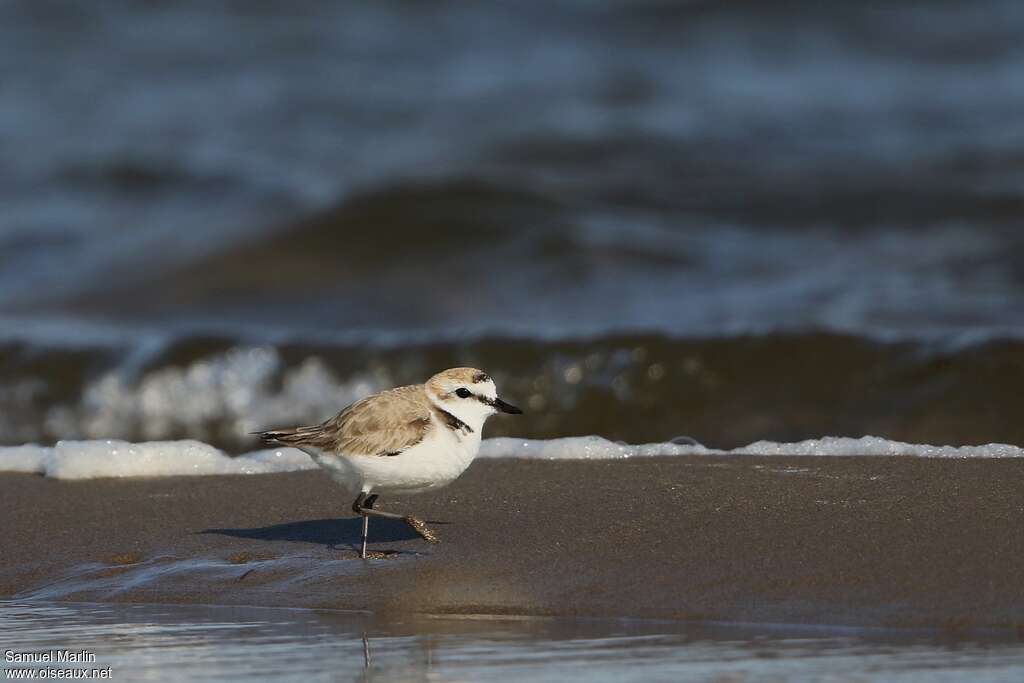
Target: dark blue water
695,167
388,188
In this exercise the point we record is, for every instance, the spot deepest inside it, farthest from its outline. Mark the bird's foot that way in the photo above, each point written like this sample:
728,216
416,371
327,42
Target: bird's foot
420,528
377,555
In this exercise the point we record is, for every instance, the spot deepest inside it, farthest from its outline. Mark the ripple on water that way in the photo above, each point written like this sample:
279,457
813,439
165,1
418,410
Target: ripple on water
170,643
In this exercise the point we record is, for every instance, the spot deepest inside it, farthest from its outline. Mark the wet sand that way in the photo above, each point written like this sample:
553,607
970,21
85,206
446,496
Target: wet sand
837,541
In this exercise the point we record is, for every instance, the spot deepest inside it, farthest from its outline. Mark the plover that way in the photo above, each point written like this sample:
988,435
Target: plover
403,440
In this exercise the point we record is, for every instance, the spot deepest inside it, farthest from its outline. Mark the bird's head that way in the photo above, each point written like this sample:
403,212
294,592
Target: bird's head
468,394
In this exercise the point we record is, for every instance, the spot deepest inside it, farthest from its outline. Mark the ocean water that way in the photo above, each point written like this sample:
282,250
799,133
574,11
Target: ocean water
174,643
733,221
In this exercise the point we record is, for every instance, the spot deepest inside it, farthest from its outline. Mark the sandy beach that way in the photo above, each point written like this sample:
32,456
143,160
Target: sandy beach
868,541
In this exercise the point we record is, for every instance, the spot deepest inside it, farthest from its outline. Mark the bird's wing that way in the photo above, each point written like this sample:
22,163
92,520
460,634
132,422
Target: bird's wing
387,423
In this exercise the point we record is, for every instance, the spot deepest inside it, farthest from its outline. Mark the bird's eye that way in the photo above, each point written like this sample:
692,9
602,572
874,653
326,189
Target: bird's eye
463,392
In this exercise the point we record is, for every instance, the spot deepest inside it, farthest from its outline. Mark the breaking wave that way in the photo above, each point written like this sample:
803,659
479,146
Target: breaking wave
725,392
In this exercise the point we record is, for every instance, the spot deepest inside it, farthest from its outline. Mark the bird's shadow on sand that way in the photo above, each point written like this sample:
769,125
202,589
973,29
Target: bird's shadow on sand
332,533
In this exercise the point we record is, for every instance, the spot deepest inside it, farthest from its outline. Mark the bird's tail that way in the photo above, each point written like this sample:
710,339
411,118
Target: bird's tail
287,437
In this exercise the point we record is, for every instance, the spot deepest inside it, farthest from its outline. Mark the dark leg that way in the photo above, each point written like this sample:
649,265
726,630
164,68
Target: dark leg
367,505
357,507
364,506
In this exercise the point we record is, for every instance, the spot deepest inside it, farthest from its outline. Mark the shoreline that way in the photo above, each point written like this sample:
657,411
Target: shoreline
415,622
804,542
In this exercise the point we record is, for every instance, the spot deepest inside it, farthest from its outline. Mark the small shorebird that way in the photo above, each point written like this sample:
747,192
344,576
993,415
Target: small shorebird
402,440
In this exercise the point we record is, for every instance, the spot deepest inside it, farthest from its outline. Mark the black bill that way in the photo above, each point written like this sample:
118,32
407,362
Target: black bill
506,407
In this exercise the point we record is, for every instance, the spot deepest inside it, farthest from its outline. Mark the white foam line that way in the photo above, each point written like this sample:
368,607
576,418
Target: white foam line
109,458
597,448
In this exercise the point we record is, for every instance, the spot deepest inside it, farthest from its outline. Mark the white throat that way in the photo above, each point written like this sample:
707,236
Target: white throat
473,413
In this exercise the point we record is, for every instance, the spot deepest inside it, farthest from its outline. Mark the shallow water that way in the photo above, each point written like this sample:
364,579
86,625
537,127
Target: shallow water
171,643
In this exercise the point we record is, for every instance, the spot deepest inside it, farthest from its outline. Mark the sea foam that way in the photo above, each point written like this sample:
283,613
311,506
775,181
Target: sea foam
597,448
107,458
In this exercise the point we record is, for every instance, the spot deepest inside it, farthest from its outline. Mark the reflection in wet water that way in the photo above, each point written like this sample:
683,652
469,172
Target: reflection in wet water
169,643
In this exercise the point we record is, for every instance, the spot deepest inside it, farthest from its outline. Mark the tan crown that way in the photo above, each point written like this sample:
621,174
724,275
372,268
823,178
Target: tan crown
446,380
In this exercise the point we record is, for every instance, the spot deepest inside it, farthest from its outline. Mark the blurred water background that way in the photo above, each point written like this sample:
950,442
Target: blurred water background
732,220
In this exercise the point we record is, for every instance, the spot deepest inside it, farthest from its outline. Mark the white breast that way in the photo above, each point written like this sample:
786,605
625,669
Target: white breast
436,461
